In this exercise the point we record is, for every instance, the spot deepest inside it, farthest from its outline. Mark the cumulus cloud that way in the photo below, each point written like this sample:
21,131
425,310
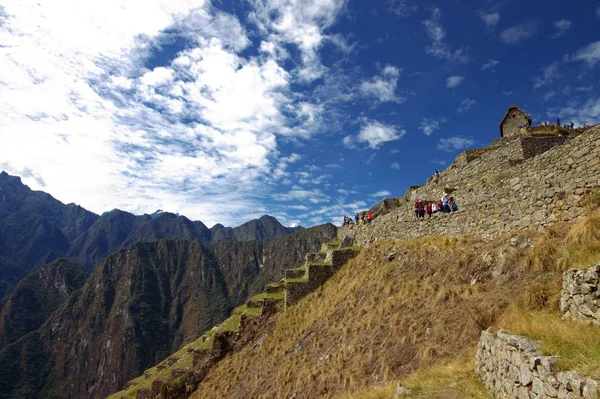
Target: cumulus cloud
455,143
580,113
302,24
490,19
395,165
439,48
375,133
466,105
454,81
589,54
106,128
561,26
383,87
429,125
518,33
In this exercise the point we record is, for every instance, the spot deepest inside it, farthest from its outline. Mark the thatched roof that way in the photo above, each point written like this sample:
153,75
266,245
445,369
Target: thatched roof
506,116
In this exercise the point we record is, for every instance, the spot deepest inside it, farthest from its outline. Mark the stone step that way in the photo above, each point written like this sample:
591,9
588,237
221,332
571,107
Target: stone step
254,303
295,273
274,287
296,290
314,257
319,273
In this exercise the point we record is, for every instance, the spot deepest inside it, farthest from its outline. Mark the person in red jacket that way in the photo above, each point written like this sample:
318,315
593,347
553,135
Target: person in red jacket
429,210
369,217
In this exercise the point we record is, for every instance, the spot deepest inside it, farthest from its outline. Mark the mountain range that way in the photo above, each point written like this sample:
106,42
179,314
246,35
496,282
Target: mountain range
90,301
35,229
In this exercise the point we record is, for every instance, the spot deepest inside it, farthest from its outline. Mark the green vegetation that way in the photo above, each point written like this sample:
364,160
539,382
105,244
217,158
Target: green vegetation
276,295
296,280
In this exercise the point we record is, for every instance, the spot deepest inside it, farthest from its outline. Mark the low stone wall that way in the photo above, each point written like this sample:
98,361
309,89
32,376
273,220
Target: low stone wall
341,256
512,366
580,296
495,195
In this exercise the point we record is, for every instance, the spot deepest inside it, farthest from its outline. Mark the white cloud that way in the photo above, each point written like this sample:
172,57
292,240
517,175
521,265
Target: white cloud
383,87
104,131
489,65
507,92
590,54
454,81
579,113
491,19
518,33
401,8
454,143
549,74
375,133
438,47
562,26
381,193
429,125
466,105
395,165
301,23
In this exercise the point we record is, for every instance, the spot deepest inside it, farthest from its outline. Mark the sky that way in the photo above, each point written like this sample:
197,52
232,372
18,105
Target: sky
308,110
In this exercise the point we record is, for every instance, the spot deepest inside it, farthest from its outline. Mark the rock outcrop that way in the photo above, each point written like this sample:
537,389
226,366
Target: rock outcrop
580,296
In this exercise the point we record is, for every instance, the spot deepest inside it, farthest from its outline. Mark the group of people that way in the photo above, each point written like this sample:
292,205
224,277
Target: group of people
364,218
446,205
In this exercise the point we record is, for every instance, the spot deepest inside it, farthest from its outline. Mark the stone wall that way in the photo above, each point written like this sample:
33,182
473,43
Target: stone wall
580,296
512,366
495,194
532,146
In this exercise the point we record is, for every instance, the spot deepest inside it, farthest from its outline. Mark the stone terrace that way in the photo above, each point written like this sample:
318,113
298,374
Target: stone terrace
499,190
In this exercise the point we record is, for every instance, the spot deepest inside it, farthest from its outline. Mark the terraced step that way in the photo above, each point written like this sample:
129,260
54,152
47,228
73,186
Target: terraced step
274,288
314,257
295,273
256,301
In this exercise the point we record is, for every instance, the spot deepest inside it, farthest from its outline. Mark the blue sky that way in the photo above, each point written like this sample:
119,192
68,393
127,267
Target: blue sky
306,110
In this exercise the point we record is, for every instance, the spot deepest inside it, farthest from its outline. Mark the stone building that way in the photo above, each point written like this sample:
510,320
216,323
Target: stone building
513,120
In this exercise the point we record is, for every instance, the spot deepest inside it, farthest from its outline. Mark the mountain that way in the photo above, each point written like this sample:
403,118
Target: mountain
141,304
35,229
37,296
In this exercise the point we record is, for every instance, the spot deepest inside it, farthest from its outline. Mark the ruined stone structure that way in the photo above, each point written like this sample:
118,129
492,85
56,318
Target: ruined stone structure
513,121
519,182
580,296
512,366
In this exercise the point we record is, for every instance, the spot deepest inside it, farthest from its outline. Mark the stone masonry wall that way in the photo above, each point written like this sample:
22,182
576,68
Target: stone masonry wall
495,195
512,366
532,146
580,296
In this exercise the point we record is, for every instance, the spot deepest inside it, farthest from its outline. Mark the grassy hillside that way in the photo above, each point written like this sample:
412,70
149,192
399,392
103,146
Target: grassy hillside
411,313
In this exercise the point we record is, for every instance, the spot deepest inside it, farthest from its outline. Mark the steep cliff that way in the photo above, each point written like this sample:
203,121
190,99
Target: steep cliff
37,296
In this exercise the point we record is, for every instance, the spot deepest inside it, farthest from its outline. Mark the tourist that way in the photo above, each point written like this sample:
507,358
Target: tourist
417,208
369,217
356,217
434,207
445,207
452,205
428,210
572,125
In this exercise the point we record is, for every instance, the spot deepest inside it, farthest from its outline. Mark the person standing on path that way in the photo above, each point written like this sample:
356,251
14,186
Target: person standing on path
369,217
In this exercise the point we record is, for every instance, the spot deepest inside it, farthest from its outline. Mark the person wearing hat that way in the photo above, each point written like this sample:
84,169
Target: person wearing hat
445,207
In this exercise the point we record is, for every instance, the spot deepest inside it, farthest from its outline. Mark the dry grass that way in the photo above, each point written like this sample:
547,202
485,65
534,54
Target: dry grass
577,344
378,323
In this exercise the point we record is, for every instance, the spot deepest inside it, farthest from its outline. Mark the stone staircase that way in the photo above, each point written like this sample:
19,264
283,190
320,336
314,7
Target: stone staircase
179,375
